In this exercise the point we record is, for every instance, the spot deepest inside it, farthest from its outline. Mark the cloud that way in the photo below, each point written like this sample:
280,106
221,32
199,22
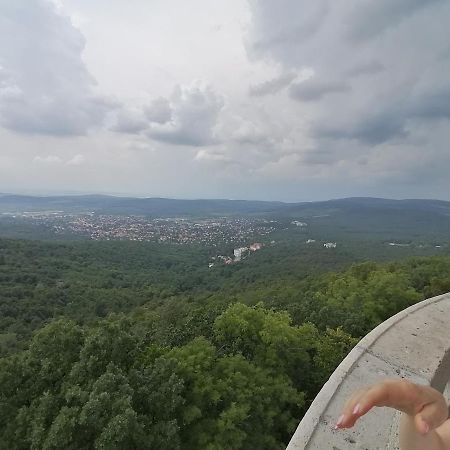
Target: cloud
45,87
281,27
313,90
188,117
135,120
47,160
434,104
387,81
249,133
371,18
159,111
194,113
129,121
77,160
308,97
372,130
272,86
365,68
204,155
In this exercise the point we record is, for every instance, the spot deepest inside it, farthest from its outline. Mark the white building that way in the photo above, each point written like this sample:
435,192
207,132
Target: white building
299,224
330,245
239,253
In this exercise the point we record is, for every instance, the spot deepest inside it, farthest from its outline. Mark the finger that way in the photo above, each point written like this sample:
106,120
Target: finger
395,393
376,395
346,418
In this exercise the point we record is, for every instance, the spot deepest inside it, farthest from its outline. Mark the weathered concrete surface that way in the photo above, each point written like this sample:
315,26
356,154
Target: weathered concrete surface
415,344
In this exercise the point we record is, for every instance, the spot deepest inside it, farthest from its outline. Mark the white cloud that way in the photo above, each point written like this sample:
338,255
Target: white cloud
159,111
313,89
47,160
77,160
204,155
45,87
272,86
194,113
129,121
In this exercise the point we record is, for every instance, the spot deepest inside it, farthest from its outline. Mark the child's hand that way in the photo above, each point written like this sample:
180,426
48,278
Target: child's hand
422,403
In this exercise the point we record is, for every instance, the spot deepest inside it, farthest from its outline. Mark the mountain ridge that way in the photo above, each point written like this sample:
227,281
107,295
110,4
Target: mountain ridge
160,206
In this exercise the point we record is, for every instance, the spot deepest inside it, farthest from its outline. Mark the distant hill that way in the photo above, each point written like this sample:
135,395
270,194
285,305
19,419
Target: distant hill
354,218
377,218
104,204
156,207
370,204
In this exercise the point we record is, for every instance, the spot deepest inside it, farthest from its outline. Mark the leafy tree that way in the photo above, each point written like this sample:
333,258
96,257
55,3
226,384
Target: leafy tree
231,403
268,339
331,348
80,390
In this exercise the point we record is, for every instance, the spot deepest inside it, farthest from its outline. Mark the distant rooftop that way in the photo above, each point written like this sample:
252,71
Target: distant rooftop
415,344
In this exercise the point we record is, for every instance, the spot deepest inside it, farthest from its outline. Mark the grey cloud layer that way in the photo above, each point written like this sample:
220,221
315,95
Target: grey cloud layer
380,73
353,89
370,18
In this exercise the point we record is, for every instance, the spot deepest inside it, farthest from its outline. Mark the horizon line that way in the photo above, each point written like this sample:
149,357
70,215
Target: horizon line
146,197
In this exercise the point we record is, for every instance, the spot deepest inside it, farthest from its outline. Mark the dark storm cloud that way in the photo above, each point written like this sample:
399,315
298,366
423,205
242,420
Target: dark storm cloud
313,90
45,87
272,86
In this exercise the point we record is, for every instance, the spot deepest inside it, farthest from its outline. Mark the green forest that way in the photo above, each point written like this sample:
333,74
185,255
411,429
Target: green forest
140,346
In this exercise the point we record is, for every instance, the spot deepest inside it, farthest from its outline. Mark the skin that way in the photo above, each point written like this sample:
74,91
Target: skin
424,424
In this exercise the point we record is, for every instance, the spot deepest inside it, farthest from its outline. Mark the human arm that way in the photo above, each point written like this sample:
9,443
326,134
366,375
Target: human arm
424,424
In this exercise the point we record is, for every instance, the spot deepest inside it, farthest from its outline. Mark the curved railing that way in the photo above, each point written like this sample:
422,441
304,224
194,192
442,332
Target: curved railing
415,344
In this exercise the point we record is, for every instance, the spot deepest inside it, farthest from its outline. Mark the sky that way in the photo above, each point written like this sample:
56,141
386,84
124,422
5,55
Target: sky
290,100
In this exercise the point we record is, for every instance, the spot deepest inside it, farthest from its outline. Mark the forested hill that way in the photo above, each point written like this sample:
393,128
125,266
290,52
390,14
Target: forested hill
156,207
123,345
164,207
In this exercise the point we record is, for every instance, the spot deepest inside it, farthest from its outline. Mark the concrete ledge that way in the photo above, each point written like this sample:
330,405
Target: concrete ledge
414,344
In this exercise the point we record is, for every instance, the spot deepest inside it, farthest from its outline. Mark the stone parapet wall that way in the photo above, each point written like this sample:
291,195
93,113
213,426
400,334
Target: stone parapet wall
415,344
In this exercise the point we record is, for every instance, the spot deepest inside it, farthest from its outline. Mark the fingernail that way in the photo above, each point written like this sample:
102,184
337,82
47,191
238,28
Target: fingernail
356,409
339,422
